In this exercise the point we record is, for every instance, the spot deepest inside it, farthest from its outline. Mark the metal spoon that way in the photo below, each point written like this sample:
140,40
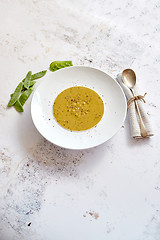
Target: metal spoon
129,79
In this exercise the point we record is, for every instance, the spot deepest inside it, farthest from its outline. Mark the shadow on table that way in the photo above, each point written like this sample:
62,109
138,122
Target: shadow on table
54,159
60,161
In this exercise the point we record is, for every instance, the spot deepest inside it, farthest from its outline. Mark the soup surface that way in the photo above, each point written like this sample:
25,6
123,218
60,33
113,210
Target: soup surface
78,108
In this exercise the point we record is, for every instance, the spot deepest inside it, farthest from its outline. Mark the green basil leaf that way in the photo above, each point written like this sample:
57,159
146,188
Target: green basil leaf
54,66
18,106
27,80
38,75
25,95
15,95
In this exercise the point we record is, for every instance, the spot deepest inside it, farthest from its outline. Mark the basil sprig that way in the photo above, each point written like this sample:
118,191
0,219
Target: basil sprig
24,90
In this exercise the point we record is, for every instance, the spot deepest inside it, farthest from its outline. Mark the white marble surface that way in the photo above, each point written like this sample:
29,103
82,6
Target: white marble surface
47,192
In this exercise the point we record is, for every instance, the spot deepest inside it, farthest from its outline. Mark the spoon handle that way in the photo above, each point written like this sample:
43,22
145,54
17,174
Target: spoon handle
143,130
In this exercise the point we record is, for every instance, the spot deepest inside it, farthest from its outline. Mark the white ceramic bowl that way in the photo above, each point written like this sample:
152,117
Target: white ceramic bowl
54,83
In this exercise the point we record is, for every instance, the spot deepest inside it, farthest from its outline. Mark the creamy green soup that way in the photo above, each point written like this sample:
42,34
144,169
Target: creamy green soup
78,108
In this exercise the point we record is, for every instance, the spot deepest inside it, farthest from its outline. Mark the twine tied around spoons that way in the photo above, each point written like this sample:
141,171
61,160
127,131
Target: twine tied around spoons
135,98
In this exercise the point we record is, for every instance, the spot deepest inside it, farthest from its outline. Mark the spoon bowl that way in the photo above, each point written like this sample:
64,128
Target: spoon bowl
129,78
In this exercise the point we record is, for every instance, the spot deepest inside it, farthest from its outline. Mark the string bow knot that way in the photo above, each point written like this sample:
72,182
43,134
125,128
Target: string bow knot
135,98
